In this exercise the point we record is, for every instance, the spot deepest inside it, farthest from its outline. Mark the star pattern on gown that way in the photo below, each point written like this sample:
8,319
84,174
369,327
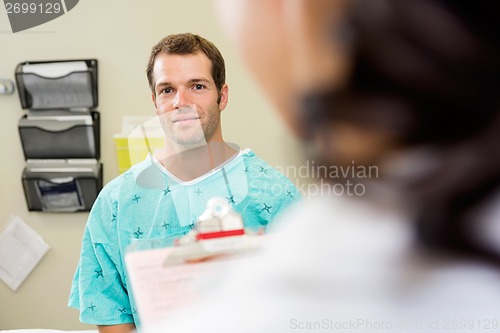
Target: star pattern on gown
123,310
91,307
138,233
263,170
136,198
167,191
267,208
198,192
98,273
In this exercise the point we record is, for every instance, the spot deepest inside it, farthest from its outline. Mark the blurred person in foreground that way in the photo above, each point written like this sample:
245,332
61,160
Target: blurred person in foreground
409,86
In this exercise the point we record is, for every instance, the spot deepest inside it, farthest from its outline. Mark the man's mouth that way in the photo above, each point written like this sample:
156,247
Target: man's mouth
185,119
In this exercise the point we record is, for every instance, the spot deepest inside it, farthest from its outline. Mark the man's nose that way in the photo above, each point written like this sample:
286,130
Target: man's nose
180,100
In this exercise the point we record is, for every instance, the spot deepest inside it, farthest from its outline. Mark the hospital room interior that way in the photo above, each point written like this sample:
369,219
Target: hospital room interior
119,35
370,129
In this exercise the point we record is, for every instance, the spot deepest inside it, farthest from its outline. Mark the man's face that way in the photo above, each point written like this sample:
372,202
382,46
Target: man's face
185,98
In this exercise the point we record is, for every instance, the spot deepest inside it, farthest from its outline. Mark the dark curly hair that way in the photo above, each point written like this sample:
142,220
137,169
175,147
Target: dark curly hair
428,70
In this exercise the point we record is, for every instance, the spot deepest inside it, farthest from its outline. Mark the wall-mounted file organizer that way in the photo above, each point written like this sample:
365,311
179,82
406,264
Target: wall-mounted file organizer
67,84
61,124
61,185
60,134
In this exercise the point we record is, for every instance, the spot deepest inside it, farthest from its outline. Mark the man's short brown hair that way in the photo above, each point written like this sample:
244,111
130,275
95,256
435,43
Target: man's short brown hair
188,43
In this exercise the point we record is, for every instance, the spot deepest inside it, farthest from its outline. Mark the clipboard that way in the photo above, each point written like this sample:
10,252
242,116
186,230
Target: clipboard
164,280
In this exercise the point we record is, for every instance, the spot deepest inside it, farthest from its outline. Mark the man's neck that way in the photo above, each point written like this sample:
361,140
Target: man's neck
194,162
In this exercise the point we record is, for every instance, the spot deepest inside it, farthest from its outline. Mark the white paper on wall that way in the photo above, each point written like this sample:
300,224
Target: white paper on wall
21,249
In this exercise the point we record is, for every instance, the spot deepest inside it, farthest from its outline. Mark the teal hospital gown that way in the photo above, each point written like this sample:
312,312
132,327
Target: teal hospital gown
125,213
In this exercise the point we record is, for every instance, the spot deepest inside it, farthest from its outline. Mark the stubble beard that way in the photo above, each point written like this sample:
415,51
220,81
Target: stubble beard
197,134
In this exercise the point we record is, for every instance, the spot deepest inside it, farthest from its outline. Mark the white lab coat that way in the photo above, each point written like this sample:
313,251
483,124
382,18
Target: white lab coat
346,265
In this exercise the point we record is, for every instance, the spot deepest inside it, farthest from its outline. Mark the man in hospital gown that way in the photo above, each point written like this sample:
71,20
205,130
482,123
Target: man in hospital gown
160,199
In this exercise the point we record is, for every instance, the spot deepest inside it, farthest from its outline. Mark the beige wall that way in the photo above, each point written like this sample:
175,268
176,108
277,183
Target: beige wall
119,33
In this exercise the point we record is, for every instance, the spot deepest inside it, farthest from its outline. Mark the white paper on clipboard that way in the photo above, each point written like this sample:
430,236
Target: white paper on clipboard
161,289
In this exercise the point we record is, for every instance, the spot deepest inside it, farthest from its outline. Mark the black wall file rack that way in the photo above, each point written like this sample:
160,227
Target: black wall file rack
60,134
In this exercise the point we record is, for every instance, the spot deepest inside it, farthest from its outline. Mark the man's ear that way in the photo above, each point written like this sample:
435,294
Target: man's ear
153,98
223,99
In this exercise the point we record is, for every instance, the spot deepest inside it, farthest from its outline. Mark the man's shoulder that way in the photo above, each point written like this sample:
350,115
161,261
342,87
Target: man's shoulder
251,158
259,166
265,178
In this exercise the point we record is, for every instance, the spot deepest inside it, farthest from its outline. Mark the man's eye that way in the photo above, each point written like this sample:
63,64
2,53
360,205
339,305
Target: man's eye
166,91
199,86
